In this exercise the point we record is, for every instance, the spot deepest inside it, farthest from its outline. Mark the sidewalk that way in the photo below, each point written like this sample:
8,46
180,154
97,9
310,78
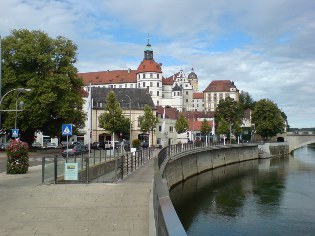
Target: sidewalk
29,208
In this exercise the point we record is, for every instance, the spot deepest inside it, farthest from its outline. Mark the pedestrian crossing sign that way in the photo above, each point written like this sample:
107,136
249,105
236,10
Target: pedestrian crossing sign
15,133
66,129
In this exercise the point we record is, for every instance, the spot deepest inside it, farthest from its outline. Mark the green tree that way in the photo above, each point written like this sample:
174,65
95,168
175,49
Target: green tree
223,127
268,119
113,119
229,111
181,124
246,101
148,121
31,59
205,127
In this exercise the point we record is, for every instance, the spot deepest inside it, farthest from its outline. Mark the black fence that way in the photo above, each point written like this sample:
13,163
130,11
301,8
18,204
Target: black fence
100,166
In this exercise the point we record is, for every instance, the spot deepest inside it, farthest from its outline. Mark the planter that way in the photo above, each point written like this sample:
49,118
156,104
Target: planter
18,160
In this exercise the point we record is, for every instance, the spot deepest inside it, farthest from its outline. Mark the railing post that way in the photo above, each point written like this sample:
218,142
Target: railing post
87,166
122,166
43,169
55,169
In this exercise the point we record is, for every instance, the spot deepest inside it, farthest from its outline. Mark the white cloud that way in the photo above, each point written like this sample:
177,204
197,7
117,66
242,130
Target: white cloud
276,61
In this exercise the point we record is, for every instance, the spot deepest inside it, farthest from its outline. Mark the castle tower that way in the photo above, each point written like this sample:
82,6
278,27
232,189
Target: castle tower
193,79
149,75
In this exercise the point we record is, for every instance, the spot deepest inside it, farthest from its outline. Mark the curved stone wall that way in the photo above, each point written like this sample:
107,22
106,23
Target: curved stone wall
189,163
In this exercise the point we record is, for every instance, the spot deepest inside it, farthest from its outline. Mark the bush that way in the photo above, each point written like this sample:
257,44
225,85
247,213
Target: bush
136,144
18,160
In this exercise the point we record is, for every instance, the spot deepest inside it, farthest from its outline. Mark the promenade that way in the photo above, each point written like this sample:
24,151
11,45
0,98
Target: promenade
28,207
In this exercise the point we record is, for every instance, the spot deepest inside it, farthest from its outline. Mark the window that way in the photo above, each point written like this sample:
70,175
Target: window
171,128
160,128
151,75
186,100
143,84
131,85
151,93
158,93
125,85
151,84
186,92
157,102
120,86
143,76
138,85
158,76
158,84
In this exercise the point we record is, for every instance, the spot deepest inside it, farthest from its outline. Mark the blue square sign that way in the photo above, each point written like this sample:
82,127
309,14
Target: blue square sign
66,129
15,133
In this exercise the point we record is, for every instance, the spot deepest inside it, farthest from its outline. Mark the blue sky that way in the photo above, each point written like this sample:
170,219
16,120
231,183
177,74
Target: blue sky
265,47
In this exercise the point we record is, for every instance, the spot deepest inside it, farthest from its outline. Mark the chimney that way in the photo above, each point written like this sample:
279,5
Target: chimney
129,70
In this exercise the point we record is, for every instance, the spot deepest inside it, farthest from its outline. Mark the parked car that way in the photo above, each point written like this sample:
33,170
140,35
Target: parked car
74,150
51,145
98,145
145,144
3,146
36,145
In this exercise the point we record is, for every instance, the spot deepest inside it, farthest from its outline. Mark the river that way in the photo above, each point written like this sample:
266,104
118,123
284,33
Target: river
263,197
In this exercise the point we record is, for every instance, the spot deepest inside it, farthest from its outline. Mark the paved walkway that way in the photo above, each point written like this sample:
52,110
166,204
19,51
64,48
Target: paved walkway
29,208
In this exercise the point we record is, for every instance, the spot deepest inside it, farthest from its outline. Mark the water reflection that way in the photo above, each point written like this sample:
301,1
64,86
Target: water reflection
245,198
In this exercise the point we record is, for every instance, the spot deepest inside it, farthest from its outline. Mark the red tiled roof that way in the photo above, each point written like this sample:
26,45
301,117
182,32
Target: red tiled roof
198,96
149,66
109,77
168,81
170,112
220,86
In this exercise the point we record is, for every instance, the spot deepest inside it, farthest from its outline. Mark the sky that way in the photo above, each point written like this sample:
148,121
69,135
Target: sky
266,47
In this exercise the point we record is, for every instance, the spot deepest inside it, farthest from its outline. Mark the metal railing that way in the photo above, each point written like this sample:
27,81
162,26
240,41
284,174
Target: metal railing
99,166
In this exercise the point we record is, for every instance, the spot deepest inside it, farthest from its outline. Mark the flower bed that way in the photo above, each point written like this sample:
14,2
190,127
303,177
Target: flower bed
18,160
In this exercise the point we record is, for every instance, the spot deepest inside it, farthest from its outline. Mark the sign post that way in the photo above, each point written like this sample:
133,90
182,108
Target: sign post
66,130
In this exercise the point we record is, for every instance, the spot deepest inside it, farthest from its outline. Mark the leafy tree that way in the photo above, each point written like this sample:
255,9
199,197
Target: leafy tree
246,100
230,111
205,127
223,127
148,121
113,119
267,118
181,124
31,59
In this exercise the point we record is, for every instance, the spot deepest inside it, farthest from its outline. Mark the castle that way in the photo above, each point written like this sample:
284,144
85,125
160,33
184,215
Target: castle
178,91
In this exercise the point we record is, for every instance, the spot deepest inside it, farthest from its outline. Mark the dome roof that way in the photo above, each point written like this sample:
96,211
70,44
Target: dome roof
192,74
149,66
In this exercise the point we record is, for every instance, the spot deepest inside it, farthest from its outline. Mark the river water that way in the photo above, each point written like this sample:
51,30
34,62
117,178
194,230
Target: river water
262,197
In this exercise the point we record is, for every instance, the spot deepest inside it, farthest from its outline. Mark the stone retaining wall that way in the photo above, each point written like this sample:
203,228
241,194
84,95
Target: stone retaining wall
184,165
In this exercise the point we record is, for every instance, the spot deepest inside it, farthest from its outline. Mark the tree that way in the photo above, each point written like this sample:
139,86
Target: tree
113,119
229,111
205,127
181,124
268,119
31,59
246,101
148,121
223,127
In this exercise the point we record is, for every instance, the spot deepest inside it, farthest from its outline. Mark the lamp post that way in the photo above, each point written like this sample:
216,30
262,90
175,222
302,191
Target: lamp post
20,90
130,127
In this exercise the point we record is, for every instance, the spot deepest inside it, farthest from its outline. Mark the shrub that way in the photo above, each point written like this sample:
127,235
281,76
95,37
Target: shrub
136,143
18,160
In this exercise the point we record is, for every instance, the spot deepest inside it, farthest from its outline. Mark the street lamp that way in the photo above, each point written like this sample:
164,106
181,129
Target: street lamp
130,142
20,90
